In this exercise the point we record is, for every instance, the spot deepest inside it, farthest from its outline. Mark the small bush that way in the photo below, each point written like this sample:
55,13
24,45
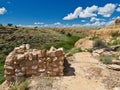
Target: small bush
115,34
1,73
118,49
10,24
106,59
90,50
94,38
20,86
69,34
75,50
1,25
99,44
116,42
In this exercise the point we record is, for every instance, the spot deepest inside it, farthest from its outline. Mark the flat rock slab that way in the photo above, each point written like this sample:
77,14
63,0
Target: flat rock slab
114,67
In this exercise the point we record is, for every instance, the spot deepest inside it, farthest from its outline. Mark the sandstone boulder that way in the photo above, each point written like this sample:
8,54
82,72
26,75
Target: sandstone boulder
84,44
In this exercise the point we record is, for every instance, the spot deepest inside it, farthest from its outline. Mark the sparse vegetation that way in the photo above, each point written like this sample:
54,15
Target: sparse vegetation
1,25
118,49
90,50
20,86
106,59
94,38
75,50
10,24
99,44
115,34
1,72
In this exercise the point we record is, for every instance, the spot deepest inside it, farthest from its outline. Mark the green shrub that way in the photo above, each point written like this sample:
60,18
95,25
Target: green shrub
1,73
118,49
20,86
99,44
116,42
94,38
9,24
68,43
75,50
89,50
69,34
115,34
1,25
106,59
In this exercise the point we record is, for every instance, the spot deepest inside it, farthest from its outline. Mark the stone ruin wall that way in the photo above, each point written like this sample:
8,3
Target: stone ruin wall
25,62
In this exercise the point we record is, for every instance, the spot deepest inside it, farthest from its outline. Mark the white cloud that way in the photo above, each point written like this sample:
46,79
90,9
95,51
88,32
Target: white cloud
110,22
83,21
88,12
3,10
118,9
93,19
118,17
57,23
93,11
96,24
38,23
73,15
107,10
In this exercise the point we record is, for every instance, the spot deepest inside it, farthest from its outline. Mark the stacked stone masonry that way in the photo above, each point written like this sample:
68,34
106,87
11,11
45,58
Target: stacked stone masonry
23,61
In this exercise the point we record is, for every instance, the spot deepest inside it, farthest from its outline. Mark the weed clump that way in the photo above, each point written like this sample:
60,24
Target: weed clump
106,59
98,44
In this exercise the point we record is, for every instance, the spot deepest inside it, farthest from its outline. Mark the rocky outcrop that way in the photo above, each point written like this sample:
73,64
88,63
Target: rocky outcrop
25,62
117,21
84,43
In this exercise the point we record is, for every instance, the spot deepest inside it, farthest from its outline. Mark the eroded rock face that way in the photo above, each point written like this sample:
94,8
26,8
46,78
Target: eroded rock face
23,61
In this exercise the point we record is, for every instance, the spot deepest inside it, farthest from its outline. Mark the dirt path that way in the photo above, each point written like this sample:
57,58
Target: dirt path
82,79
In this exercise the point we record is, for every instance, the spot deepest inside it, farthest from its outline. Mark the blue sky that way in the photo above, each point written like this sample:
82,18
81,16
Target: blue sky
59,13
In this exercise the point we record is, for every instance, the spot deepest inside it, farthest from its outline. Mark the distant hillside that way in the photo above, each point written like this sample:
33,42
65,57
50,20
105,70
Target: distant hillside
106,33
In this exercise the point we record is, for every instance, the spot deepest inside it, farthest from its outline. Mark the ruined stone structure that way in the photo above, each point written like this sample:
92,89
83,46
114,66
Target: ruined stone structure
117,21
25,62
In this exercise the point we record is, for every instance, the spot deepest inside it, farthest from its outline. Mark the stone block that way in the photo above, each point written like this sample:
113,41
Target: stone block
17,70
35,67
9,72
61,63
41,70
27,46
30,58
61,67
49,60
20,51
20,74
55,69
61,58
8,68
20,57
51,54
43,53
59,53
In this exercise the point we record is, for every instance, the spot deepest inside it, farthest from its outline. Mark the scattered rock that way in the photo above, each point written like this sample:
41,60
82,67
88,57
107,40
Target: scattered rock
114,67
